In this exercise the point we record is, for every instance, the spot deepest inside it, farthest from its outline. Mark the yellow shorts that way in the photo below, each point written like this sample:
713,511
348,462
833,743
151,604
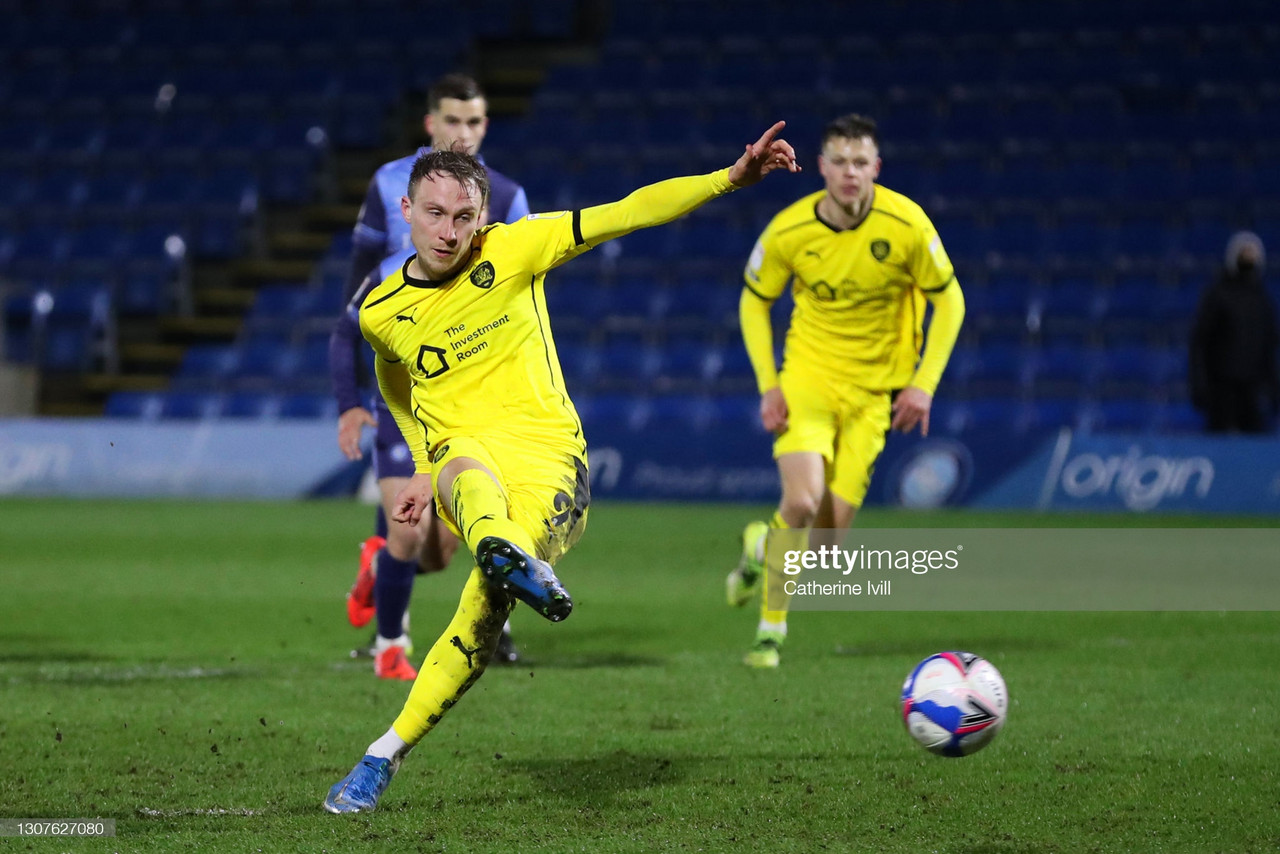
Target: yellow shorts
547,492
846,425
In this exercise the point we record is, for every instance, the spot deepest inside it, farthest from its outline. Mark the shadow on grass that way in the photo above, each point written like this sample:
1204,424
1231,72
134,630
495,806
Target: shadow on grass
597,778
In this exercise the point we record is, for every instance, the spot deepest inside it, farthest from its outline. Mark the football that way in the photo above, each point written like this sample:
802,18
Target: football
954,703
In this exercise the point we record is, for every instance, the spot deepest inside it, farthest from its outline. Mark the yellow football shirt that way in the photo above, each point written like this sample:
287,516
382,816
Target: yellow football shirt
473,355
478,346
859,293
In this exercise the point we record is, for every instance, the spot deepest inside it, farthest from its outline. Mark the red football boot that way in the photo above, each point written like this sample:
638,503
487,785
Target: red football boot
360,607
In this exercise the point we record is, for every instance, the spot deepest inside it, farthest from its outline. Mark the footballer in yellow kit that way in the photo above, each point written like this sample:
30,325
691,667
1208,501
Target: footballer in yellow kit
468,368
486,382
862,262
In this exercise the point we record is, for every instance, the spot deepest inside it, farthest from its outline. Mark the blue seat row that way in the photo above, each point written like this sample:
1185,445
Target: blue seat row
67,329
701,413
1131,369
1022,415
188,404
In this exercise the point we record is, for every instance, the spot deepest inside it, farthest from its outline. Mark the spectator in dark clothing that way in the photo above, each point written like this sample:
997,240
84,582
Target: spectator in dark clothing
1233,344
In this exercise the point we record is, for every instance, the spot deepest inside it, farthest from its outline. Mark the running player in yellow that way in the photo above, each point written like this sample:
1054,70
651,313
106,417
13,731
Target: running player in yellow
467,365
862,261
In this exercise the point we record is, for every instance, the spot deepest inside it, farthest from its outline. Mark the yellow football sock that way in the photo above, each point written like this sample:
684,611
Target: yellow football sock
480,509
457,658
773,604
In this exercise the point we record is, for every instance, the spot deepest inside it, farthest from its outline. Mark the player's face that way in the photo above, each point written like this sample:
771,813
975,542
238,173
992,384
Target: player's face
456,121
850,168
443,216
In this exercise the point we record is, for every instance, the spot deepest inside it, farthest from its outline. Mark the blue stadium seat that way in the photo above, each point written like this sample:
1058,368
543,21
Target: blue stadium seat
1071,306
1004,368
112,196
1144,239
315,405
1205,237
964,178
964,365
1046,413
613,411
730,366
64,347
574,298
1018,237
1001,305
96,247
1219,177
144,288
208,365
1130,305
251,404
983,415
37,249
1064,368
282,302
1039,115
1179,417
687,360
1079,239
264,358
187,405
1126,416
581,363
306,363
631,301
698,413
1156,177
1170,369
705,302
628,363
1128,368
72,326
145,405
76,137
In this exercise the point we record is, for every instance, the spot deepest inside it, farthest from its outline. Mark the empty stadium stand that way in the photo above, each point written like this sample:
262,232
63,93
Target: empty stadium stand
178,183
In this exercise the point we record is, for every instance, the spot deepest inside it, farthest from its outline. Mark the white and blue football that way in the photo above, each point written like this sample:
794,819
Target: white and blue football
954,703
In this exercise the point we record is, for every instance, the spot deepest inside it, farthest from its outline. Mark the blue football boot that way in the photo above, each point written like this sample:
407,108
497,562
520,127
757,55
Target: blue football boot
359,791
532,581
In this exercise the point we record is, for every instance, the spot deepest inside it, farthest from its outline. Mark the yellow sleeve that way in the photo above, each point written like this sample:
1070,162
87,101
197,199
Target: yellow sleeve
930,266
757,334
651,205
948,314
397,391
767,272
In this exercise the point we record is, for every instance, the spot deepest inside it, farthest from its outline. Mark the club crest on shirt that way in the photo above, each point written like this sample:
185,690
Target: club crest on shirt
880,249
482,276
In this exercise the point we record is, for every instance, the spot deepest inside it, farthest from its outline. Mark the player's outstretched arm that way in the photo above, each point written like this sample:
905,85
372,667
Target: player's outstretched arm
665,201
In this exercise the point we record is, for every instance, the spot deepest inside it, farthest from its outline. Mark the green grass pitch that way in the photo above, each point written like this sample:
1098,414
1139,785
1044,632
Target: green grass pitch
183,668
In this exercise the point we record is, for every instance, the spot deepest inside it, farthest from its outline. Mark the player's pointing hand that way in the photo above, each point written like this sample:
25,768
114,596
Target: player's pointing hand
762,157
